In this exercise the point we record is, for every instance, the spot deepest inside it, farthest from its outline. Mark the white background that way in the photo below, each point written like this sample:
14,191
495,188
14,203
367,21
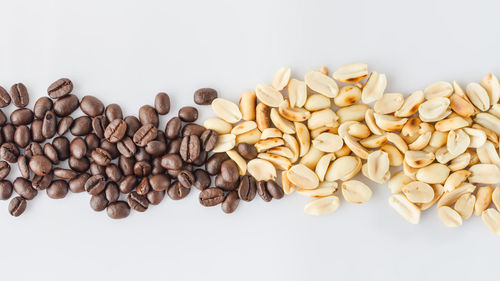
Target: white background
127,51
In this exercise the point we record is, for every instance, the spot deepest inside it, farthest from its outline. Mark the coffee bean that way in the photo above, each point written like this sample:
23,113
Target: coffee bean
98,202
101,156
247,188
156,148
143,187
66,105
42,105
66,174
115,131
113,112
4,97
41,182
262,191
8,131
81,126
57,189
4,169
274,190
229,171
50,152
137,202
188,114
209,139
99,124
126,164
113,172
22,165
22,136
77,184
112,192
33,148
22,116
133,125
128,184
186,178
173,128
61,144
160,136
126,147
228,186
64,125
142,168
19,95
176,191
148,115
159,182
162,103
79,165
78,148
202,179
17,206
92,106
171,161
190,148
202,158
97,169
214,162
142,155
155,197
211,196
3,118
157,168
95,184
111,148
92,142
37,131
204,96
246,150
118,210
192,129
5,189
174,146
144,135
60,88
9,152
40,165
23,187
49,126
230,202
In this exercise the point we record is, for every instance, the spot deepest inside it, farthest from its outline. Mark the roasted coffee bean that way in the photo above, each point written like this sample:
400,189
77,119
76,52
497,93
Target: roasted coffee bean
64,125
174,146
5,189
221,183
78,148
3,118
23,187
230,202
19,95
113,172
100,156
126,164
143,187
211,196
113,111
160,136
148,115
33,148
156,166
95,184
61,144
171,162
60,88
156,148
126,147
247,188
110,148
42,182
92,106
8,131
155,197
262,191
57,189
112,192
142,155
162,103
17,206
190,148
142,169
204,96
50,152
128,184
42,105
202,179
137,202
79,165
214,162
118,210
22,165
66,174
49,126
133,125
144,135
176,191
22,136
274,190
99,124
202,158
4,97
159,182
186,178
22,116
4,169
77,184
98,202
246,151
97,169
66,105
229,171
115,131
209,139
37,131
188,114
9,152
173,128
81,126
192,129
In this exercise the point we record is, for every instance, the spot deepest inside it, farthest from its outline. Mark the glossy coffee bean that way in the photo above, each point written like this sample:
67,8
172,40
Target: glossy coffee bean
190,148
145,134
17,206
209,139
202,179
159,182
66,174
66,105
192,129
113,172
148,115
143,187
5,189
126,147
231,202
40,165
137,202
61,144
91,106
4,97
37,131
60,88
99,124
3,118
50,152
118,210
22,116
160,136
133,124
77,184
128,184
42,105
81,126
228,186
155,197
79,165
41,182
229,171
247,188
274,190
186,178
110,148
78,147
95,184
126,164
4,169
23,187
9,152
188,114
22,136
214,162
57,189
204,96
97,169
142,155
8,131
49,125
173,128
162,103
64,125
112,192
113,112
171,162
98,202
19,95
115,131
246,151
262,191
142,169
92,142
101,156
174,146
177,192
211,196
22,165
156,148
156,166
202,158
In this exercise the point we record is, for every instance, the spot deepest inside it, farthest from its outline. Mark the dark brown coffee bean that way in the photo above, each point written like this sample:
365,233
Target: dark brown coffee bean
8,131
77,184
95,184
221,183
98,202
190,148
229,171
22,165
143,187
128,184
274,190
81,126
60,88
40,165
41,182
155,197
42,105
247,188
262,191
126,147
214,162
192,129
160,136
78,148
211,196
19,95
113,111
9,152
118,210
61,144
64,125
230,202
186,178
133,125
112,192
202,158
148,115
159,182
50,152
22,136
33,148
17,206
144,135
5,189
126,164
49,126
202,179
57,189
66,105
156,148
91,106
142,168
177,192
171,162
79,165
156,166
3,118
4,169
115,131
188,114
173,128
113,172
111,148
246,150
99,124
4,97
22,116
162,103
101,156
97,169
142,155
137,202
209,139
174,146
37,131
204,96
66,174
23,187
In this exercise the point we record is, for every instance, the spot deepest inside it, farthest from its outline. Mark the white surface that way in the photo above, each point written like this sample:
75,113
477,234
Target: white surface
125,52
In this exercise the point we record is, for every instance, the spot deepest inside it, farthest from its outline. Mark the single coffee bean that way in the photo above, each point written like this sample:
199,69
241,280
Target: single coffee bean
186,178
78,148
274,190
192,129
37,131
101,156
60,88
262,191
33,148
230,202
144,135
22,136
126,164
81,126
97,169
171,162
148,115
155,197
173,128
177,192
8,131
9,152
66,105
190,148
61,144
174,146
4,169
77,184
247,188
211,196
57,189
23,187
188,114
202,179
214,162
126,147
95,184
142,169
41,182
66,174
19,95
162,103
113,112
143,187
79,165
5,189
42,105
156,166
128,184
22,165
133,124
204,96
98,202
137,202
4,97
156,148
92,106
110,148
3,118
118,210
113,172
209,139
92,142
142,155
49,126
202,158
228,186
17,206
247,151
99,124
229,171
22,116
112,192
159,182
115,131
40,165
64,125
